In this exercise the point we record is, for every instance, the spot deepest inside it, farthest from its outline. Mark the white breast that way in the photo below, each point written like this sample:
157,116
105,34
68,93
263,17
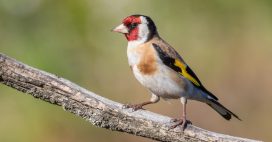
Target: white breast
162,83
133,57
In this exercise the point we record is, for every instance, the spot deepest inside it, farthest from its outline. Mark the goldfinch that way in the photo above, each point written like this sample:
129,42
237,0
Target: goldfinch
159,68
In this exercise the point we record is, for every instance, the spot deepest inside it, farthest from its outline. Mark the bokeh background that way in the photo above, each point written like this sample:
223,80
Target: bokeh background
228,43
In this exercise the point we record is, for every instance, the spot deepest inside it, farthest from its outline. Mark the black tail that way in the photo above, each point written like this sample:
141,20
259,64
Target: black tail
223,111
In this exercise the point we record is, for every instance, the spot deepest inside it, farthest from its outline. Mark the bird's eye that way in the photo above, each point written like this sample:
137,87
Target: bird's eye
133,25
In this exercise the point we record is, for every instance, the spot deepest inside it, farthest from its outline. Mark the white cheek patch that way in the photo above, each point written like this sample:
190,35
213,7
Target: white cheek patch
143,30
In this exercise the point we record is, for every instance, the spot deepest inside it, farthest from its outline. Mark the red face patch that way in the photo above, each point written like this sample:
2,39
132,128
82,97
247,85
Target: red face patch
132,23
132,19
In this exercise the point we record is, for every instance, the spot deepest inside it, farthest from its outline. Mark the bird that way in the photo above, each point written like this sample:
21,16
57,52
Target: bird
161,69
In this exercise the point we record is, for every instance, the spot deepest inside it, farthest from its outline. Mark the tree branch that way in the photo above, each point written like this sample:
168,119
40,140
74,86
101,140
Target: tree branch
98,110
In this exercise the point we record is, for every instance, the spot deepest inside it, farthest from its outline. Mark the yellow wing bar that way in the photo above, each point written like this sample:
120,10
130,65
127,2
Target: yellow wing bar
177,66
184,72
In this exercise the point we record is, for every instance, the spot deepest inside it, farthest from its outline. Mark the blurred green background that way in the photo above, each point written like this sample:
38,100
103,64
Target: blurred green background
226,42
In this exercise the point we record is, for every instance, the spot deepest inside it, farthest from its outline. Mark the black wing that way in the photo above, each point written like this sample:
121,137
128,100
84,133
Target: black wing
182,69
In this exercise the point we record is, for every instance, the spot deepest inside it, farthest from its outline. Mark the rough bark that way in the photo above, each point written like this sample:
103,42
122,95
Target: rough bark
98,110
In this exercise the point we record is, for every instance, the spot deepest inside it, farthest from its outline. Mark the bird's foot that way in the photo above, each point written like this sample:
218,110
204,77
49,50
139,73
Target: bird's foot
134,107
180,122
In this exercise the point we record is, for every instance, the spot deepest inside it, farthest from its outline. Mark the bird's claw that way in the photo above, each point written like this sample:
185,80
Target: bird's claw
134,107
180,122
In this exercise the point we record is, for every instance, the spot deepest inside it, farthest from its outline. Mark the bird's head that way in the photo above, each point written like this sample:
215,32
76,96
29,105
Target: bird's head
137,28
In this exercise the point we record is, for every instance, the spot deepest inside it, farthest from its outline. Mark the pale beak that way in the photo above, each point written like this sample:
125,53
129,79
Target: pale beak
121,29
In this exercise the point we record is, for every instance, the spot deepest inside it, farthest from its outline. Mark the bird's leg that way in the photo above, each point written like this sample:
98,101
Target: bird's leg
137,106
183,121
154,99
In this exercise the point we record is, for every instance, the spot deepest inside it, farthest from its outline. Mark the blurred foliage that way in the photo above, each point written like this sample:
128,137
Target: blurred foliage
227,43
